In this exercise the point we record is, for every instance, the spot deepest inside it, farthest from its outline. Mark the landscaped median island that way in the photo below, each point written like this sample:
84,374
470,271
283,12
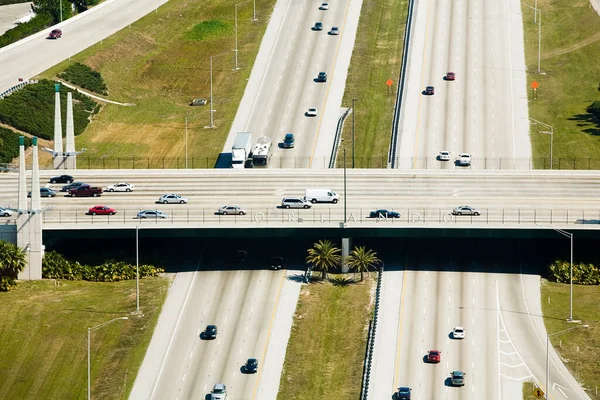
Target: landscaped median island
568,84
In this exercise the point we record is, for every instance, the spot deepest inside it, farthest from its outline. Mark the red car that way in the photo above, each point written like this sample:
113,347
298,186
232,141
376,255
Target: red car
433,356
450,76
102,210
55,34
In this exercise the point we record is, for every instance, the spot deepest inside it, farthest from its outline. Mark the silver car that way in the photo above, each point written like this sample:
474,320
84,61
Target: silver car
295,202
120,187
151,214
465,210
172,198
219,392
5,212
231,210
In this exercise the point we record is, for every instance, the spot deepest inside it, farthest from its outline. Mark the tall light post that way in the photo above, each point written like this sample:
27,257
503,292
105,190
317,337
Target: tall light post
89,365
353,109
547,396
236,39
551,136
212,125
535,11
254,11
345,214
570,236
137,270
61,17
186,144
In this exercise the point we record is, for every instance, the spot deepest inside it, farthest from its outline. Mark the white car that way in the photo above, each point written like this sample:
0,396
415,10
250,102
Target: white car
444,156
5,212
324,6
334,31
151,214
458,332
219,392
465,210
312,112
172,198
120,187
231,210
464,159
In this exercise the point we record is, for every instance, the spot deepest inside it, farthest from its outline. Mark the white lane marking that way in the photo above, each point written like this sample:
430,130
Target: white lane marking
199,332
246,329
183,379
212,364
219,342
204,313
191,354
225,320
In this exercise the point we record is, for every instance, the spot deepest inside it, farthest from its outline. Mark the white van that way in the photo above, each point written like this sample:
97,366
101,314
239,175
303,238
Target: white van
321,195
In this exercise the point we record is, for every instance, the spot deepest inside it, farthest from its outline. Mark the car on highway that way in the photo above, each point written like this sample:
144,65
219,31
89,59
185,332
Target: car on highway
322,77
102,210
324,6
457,378
295,202
70,186
277,263
384,214
62,179
151,214
45,192
172,198
450,76
210,332
429,90
219,392
458,332
318,26
288,141
334,31
231,210
251,366
5,212
55,34
403,393
312,112
444,155
120,187
434,356
465,210
464,159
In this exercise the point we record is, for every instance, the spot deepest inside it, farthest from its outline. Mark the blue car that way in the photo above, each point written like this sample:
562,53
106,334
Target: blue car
384,214
403,393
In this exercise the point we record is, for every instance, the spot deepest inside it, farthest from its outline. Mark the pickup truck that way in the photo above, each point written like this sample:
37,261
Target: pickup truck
85,191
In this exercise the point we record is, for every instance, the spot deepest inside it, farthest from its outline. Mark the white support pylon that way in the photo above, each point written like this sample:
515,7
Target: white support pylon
58,155
71,154
36,250
22,208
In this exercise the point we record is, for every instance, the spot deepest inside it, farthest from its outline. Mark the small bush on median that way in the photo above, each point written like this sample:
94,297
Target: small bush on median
583,274
12,261
85,77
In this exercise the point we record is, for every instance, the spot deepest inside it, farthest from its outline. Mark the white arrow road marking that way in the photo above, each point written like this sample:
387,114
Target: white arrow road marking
561,389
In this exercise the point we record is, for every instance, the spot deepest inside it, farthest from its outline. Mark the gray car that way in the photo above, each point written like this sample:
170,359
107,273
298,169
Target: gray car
295,202
219,392
465,210
151,214
45,192
172,198
5,212
231,210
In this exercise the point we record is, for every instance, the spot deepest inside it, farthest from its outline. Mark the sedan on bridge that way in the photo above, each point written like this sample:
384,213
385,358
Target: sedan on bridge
209,333
457,378
62,179
429,91
70,186
450,76
465,210
172,198
102,210
434,356
312,112
231,210
458,332
151,214
5,212
55,34
251,366
120,187
324,6
384,214
444,155
403,393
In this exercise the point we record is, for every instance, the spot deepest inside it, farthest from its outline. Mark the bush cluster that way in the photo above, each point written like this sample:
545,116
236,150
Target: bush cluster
36,24
594,109
12,261
55,266
31,109
9,145
583,274
85,77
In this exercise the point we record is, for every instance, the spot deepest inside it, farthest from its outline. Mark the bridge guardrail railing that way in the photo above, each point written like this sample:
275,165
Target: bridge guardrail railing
414,217
338,137
16,87
486,163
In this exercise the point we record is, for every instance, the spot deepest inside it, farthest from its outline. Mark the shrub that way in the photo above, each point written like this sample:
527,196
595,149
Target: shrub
9,145
12,261
594,109
36,24
31,109
583,274
84,77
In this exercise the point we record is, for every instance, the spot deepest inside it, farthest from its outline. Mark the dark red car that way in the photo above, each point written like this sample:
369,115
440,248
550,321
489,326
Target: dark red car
55,34
102,210
450,76
433,356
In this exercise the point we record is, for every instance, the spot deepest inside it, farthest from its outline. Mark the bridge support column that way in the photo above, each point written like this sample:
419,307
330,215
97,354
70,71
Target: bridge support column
346,243
71,154
58,159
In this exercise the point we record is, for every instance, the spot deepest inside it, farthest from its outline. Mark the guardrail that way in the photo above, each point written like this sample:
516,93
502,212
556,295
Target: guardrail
371,339
487,163
338,136
400,91
14,88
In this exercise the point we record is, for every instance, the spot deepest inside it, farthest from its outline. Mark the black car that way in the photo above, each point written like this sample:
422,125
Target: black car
384,214
70,186
322,77
241,256
251,366
318,26
210,332
403,393
277,263
429,90
62,179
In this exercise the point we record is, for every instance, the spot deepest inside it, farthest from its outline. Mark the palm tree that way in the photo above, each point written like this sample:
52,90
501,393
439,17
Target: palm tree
361,260
324,255
12,261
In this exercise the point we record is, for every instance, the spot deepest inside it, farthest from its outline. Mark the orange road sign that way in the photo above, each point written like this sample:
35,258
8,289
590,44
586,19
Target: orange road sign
535,85
389,82
538,393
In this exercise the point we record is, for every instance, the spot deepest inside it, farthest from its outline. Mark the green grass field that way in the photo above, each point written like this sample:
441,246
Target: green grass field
44,337
160,64
579,348
569,81
376,57
325,353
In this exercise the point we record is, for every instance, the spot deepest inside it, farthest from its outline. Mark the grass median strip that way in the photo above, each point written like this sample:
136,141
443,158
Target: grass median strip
325,353
568,84
579,348
44,337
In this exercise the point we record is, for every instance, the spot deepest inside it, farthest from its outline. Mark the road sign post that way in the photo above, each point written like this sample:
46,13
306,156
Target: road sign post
538,393
389,84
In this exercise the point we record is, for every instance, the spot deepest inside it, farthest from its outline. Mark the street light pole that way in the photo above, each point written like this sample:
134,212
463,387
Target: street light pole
254,12
353,109
137,270
345,215
89,363
61,16
547,396
211,125
535,11
186,144
551,137
236,39
570,236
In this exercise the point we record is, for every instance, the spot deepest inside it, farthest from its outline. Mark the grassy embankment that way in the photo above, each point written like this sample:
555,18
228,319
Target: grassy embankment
568,84
44,337
376,57
579,348
325,353
161,63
